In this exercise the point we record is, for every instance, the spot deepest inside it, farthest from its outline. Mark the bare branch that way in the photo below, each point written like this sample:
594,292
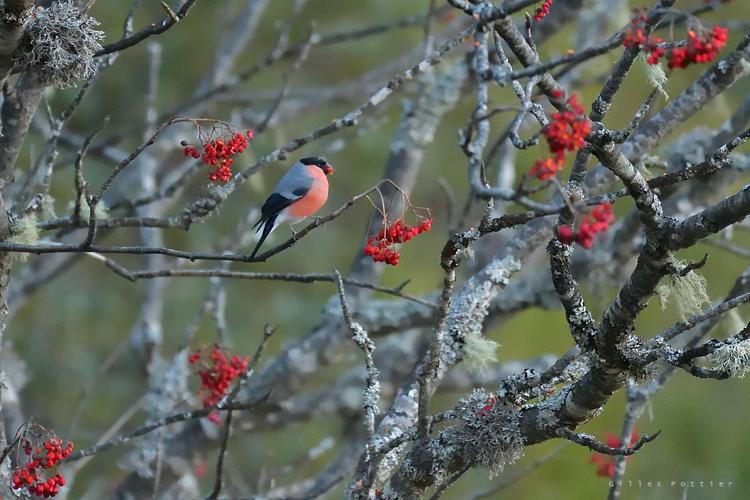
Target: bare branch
371,394
172,18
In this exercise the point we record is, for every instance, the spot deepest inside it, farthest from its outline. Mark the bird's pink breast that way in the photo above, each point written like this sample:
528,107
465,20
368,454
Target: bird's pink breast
312,201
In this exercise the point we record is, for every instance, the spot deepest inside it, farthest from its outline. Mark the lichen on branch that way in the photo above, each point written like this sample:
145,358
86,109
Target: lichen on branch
59,45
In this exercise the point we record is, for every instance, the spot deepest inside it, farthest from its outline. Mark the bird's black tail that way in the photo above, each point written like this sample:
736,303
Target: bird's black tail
267,226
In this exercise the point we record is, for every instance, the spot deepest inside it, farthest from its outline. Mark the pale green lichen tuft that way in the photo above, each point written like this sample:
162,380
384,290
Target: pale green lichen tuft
688,293
662,292
48,207
732,358
24,232
102,211
656,76
479,353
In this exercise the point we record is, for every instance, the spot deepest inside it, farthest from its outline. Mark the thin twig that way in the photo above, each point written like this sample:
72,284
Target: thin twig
312,39
164,421
593,444
173,16
222,454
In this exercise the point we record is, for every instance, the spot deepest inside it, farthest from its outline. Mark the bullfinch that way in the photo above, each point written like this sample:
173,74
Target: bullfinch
298,195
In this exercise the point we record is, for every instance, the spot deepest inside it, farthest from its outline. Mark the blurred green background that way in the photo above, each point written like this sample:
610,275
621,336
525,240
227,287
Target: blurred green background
67,329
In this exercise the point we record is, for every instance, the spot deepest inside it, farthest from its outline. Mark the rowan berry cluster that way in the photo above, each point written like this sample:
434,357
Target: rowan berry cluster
217,368
382,246
635,37
542,10
219,153
37,460
566,132
635,34
700,47
599,220
606,463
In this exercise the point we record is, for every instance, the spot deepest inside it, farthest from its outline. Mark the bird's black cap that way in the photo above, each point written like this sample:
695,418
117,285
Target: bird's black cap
318,162
314,160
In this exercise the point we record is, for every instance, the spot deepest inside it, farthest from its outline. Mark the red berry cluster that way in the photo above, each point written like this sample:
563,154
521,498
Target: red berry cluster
600,218
606,463
217,368
381,247
635,37
566,132
542,10
700,48
31,475
547,168
218,153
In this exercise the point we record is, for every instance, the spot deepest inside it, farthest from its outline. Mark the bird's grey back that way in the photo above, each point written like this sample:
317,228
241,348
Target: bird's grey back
294,179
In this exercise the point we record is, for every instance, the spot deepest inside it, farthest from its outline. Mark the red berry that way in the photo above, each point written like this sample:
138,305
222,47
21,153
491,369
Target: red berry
565,234
543,10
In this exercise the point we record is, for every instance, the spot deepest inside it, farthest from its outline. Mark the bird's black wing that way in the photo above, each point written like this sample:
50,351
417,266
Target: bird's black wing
270,210
276,203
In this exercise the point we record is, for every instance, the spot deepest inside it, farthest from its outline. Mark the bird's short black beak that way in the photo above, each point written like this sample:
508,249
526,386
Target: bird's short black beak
328,170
